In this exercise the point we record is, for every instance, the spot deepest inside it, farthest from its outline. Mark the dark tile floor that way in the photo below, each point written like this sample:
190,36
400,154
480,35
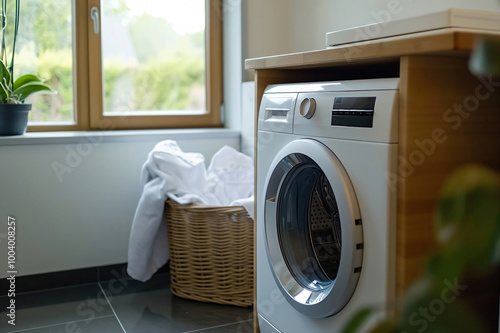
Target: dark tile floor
120,305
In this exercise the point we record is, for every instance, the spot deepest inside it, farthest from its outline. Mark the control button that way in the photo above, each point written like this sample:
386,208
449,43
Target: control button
307,107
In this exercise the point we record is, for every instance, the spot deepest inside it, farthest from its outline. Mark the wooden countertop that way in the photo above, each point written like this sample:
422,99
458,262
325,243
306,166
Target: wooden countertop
442,41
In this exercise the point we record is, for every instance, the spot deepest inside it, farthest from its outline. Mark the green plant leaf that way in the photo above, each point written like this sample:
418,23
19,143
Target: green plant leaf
31,88
433,315
447,264
485,57
386,326
467,218
4,74
357,321
26,78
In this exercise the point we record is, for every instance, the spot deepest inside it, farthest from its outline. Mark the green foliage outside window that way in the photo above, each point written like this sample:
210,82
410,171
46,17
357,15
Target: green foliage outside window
159,78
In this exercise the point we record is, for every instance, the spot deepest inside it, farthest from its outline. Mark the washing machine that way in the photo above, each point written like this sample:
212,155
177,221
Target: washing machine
326,203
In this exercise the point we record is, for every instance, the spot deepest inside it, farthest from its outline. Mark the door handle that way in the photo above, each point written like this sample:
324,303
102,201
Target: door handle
94,16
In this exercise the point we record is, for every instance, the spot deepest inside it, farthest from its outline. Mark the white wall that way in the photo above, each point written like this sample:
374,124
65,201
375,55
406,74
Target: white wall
238,95
286,26
248,118
80,215
232,63
267,27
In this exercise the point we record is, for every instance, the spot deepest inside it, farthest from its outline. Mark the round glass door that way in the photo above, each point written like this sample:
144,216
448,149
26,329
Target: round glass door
308,223
313,229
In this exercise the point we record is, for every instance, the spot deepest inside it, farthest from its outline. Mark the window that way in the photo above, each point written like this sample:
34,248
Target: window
44,46
123,64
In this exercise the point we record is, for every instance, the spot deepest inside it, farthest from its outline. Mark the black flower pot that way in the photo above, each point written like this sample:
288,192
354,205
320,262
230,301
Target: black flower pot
14,118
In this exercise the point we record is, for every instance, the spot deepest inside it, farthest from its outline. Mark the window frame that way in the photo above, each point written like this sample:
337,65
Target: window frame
88,85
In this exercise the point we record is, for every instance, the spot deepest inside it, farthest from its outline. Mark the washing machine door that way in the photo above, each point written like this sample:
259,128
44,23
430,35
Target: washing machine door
313,228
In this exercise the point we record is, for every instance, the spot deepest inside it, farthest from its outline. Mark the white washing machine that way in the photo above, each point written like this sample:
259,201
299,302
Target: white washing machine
326,209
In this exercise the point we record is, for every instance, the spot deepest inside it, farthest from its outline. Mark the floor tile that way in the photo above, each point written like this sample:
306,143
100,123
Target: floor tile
242,327
119,271
55,306
107,324
151,307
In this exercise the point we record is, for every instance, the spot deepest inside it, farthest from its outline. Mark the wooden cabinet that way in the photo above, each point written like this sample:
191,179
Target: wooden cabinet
447,117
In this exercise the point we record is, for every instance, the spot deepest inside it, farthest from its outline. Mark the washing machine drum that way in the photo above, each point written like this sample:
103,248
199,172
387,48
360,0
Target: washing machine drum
313,228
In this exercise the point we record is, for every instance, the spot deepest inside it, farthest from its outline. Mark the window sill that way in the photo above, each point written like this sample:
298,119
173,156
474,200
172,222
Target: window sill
34,138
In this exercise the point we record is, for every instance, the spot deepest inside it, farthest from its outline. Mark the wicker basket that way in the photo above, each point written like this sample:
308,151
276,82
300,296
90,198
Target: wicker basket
211,253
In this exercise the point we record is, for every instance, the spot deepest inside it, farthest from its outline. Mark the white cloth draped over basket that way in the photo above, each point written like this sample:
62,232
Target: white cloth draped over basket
170,173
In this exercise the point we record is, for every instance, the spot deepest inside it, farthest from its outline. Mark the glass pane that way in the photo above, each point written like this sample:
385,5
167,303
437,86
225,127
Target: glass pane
153,56
44,47
309,226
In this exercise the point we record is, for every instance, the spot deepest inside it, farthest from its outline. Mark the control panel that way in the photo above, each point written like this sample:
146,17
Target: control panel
356,110
353,111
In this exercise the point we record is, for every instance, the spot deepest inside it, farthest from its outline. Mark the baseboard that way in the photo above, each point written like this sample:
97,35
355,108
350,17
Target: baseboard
69,278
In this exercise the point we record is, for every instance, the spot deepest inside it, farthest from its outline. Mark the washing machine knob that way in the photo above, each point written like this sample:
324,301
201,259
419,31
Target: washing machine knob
307,107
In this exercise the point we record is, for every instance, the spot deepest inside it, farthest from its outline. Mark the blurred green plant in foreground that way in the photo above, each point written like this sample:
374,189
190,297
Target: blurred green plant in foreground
445,299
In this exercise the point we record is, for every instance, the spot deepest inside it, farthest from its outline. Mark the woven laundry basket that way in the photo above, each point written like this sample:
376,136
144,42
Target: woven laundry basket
211,253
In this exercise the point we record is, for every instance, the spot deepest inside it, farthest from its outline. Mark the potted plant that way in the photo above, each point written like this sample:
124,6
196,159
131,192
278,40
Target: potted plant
13,92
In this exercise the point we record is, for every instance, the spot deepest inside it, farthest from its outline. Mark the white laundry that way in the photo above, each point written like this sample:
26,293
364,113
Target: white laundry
230,176
171,173
247,203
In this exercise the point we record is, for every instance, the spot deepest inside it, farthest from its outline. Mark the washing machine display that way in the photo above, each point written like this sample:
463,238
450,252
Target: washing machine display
310,208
